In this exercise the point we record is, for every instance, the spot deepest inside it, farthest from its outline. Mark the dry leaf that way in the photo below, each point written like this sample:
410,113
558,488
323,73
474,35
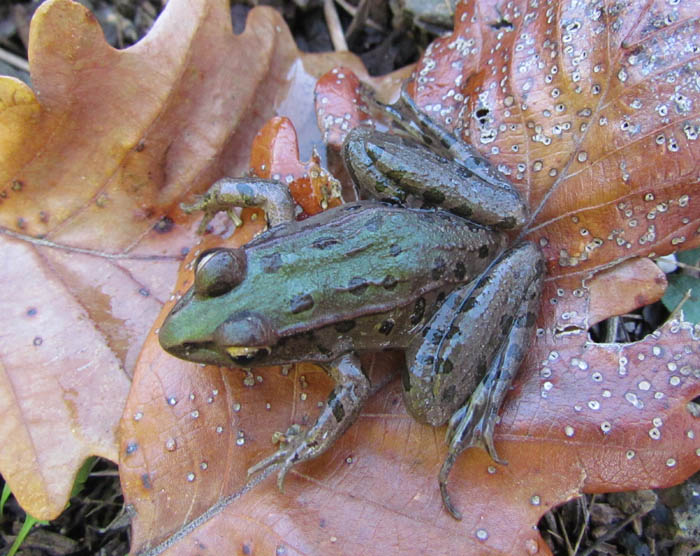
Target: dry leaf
583,417
93,168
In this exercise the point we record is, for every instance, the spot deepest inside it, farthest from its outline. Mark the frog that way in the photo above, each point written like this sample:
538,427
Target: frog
426,264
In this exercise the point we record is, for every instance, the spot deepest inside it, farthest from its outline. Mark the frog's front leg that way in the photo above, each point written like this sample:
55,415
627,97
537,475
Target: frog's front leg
224,195
341,410
463,365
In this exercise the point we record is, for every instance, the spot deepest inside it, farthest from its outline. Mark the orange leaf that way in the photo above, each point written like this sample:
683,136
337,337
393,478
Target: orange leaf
275,154
582,417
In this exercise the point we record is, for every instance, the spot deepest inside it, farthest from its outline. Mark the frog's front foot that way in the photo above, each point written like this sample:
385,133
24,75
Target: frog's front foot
341,410
210,208
228,193
294,447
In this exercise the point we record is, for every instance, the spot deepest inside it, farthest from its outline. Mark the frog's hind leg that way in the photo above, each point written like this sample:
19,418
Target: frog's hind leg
405,171
343,406
471,350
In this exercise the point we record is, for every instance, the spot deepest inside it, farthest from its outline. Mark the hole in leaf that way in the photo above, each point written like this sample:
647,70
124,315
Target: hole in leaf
630,327
502,23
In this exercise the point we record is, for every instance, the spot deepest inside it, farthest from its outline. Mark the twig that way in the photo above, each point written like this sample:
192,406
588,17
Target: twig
610,330
562,528
678,307
352,10
334,27
688,266
14,60
610,534
359,19
587,516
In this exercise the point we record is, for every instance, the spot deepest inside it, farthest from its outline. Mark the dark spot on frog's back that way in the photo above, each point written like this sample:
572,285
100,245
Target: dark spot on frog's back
468,304
445,367
433,196
301,302
483,251
448,394
530,319
508,223
386,327
345,326
336,407
438,268
418,311
453,331
325,242
506,323
540,266
460,271
357,285
389,282
463,210
272,263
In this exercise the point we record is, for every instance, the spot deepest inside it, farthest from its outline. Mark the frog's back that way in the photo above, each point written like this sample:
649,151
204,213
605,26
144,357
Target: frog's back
362,258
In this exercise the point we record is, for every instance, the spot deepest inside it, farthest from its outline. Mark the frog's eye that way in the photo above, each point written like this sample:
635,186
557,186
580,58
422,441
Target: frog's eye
218,271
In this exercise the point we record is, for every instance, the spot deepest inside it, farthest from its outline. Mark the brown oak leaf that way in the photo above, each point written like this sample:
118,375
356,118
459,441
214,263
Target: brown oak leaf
94,163
555,99
90,212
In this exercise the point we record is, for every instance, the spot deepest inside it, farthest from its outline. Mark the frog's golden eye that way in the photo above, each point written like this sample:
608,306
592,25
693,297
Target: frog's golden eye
218,271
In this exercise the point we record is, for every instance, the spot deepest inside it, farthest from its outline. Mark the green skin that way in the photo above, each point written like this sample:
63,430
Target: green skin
368,276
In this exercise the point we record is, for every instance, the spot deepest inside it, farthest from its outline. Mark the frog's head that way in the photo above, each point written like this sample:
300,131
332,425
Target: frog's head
213,323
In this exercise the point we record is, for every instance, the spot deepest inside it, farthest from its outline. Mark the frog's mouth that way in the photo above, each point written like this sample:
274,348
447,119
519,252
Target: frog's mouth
244,356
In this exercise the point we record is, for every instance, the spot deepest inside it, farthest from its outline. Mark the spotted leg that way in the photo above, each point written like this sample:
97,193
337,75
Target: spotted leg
463,365
224,195
405,171
341,410
408,116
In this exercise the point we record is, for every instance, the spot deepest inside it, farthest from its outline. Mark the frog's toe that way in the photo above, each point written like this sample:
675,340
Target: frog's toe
442,481
233,215
192,207
292,450
269,461
473,425
289,462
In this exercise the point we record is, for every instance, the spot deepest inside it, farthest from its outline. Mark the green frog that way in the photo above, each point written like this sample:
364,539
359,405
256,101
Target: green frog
426,268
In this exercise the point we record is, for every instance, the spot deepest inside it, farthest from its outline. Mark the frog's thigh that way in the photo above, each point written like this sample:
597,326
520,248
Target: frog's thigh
446,364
